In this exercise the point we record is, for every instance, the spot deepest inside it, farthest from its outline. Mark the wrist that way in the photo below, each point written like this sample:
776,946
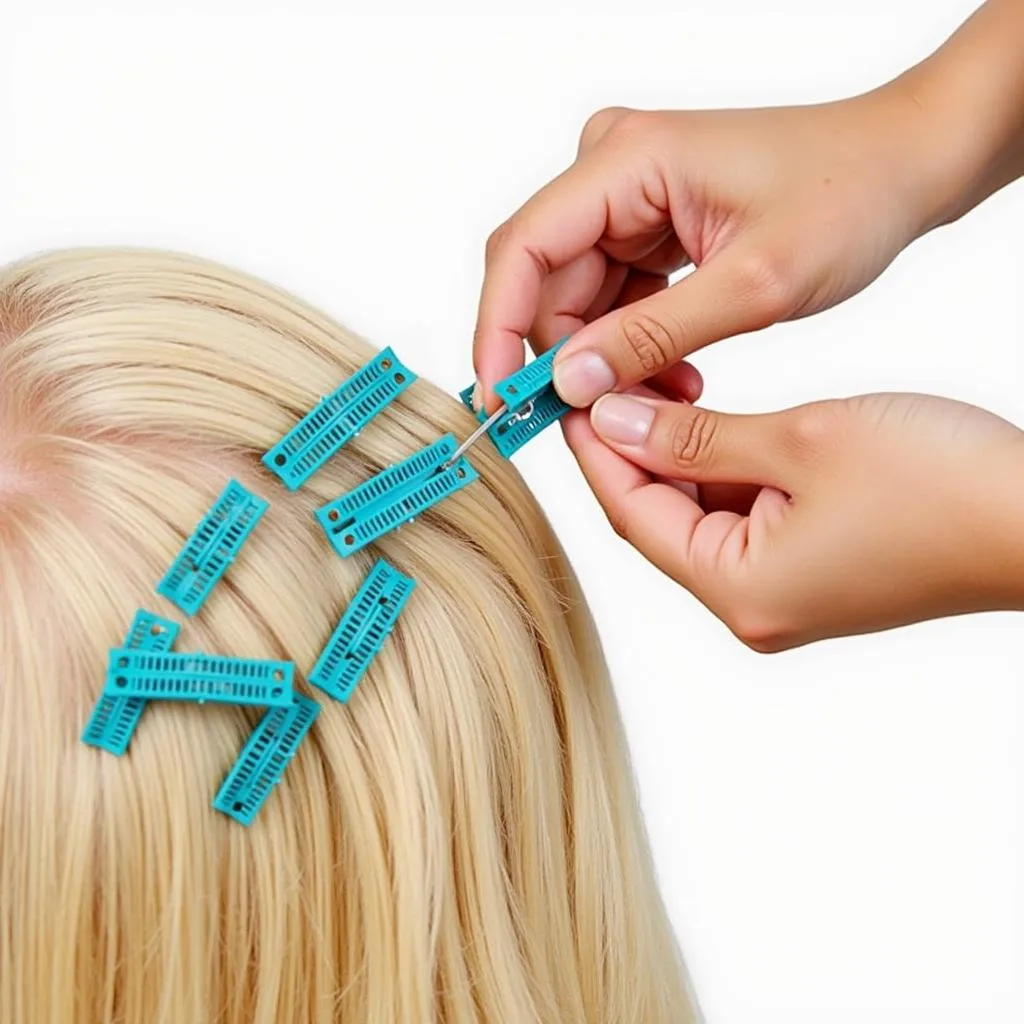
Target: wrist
916,166
962,119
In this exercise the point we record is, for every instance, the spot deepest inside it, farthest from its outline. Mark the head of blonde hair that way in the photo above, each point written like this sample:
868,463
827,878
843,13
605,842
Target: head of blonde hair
459,843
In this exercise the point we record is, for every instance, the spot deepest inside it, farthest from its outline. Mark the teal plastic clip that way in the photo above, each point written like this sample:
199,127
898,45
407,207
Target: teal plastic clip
395,496
114,719
530,382
212,548
337,419
264,757
199,678
514,429
523,418
361,633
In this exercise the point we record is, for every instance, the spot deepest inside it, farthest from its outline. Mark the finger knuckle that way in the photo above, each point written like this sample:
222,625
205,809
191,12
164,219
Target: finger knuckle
648,341
618,521
764,278
692,438
498,239
759,628
812,429
599,123
635,124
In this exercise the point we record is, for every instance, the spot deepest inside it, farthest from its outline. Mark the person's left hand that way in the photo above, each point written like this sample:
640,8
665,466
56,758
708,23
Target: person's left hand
833,518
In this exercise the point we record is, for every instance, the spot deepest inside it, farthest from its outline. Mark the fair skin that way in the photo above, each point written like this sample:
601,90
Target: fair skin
834,518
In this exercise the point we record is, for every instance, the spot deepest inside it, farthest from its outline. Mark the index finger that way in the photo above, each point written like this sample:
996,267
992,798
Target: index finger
561,222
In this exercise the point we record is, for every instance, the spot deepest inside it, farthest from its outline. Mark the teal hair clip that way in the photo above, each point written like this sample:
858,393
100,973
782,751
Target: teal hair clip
514,429
531,381
114,719
337,419
212,548
264,758
531,404
395,496
361,633
199,678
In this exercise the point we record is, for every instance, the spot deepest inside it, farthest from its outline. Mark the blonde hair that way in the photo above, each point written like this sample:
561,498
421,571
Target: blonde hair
461,842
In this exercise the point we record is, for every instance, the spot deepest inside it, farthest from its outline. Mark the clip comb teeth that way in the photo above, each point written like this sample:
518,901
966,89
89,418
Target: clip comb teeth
395,496
264,758
212,548
199,678
526,384
337,419
114,719
361,633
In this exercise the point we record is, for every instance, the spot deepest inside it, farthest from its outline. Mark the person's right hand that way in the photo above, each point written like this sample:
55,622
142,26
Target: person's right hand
828,519
784,212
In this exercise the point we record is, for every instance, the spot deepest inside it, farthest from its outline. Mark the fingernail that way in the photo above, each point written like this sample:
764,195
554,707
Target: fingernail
477,398
621,419
583,378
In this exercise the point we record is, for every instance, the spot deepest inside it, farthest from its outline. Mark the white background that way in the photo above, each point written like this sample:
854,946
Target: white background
838,829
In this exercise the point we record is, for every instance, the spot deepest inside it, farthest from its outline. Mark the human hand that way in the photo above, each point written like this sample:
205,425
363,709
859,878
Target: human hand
833,518
784,211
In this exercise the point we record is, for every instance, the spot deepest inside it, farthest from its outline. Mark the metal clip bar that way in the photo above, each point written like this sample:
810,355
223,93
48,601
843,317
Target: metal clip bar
529,399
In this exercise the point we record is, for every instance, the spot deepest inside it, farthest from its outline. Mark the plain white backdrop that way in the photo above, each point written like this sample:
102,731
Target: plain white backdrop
838,830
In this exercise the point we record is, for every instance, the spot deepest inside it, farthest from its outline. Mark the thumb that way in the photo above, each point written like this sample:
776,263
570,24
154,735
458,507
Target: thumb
736,291
684,442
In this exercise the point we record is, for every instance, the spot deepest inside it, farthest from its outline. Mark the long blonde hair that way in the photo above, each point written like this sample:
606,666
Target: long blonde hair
461,842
